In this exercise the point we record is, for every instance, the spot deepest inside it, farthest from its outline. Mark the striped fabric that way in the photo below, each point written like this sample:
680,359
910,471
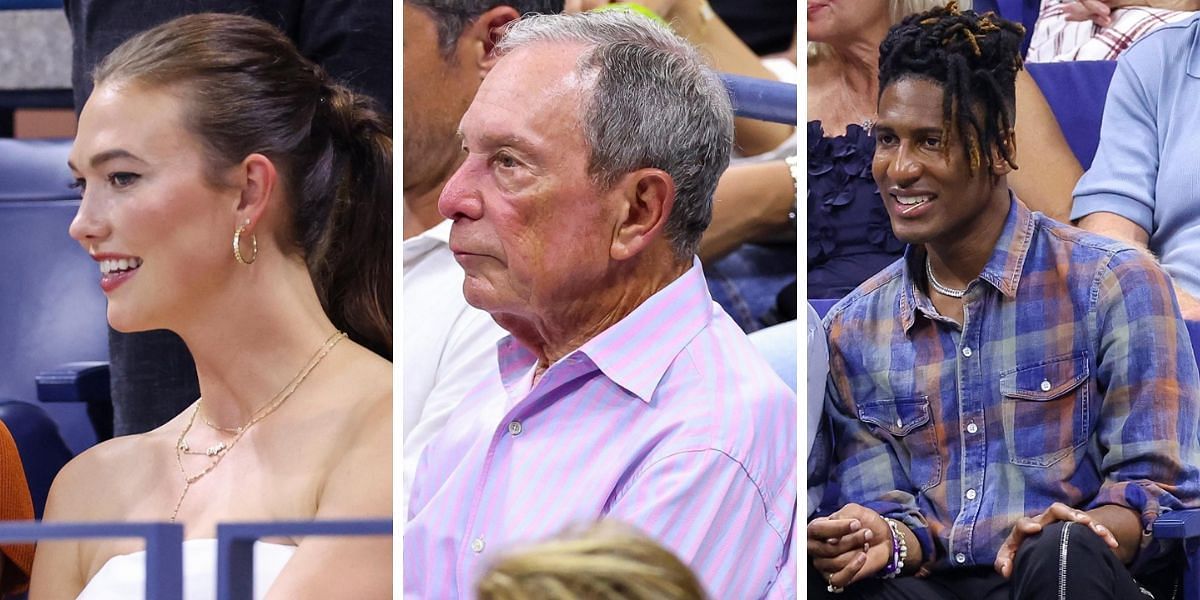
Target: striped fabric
1072,380
668,421
1057,39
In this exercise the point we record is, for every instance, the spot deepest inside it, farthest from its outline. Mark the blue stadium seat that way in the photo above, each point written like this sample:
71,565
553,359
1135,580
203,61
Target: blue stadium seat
35,170
164,547
1024,12
822,305
30,4
40,445
235,546
1076,92
55,312
54,308
762,99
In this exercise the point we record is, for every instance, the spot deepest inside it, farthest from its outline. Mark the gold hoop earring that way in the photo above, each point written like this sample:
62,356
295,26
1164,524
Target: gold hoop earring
237,245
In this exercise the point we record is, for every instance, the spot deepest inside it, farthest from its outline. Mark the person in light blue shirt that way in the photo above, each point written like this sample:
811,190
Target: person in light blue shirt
1143,186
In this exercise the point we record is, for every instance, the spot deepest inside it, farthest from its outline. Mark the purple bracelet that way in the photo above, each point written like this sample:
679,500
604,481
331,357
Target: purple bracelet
899,551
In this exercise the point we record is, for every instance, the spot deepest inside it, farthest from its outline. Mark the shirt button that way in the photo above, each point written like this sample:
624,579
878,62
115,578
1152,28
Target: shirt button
477,545
972,428
1045,385
960,558
971,494
967,351
515,428
899,422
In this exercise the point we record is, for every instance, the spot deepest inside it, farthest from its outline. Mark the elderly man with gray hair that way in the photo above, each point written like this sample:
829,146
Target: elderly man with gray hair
592,150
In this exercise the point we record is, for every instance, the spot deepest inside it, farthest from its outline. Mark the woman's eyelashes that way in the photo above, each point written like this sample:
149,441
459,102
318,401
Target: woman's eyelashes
118,180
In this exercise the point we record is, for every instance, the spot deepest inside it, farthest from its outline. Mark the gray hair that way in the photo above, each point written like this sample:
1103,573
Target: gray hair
453,16
654,104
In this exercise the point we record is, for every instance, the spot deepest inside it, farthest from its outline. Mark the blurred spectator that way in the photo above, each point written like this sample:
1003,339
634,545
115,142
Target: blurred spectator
15,505
607,561
818,370
766,26
153,375
849,234
1099,29
448,344
1142,186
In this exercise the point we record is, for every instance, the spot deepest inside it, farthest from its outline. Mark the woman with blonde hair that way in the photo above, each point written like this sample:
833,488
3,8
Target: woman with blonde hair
607,561
234,194
849,233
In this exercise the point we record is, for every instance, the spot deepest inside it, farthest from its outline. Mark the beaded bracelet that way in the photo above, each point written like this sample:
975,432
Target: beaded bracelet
899,551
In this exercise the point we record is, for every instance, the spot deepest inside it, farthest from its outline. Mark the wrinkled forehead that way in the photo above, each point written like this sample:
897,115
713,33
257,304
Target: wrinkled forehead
535,85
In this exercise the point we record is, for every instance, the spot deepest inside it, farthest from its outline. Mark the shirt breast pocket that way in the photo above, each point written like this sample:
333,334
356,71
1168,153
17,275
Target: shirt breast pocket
1045,410
907,425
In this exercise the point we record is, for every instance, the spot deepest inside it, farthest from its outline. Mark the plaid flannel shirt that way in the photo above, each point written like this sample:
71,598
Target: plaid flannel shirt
1071,379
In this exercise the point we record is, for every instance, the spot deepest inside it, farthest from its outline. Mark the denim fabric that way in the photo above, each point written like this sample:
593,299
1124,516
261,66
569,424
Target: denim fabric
1071,379
746,282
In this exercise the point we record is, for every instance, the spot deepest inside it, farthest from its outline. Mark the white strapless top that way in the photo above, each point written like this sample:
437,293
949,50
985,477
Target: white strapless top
123,577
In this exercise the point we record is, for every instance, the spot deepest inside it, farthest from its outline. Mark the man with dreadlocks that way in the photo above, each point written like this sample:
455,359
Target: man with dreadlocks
1014,401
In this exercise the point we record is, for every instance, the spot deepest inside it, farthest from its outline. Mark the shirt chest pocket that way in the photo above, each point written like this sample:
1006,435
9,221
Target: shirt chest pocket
907,425
1045,410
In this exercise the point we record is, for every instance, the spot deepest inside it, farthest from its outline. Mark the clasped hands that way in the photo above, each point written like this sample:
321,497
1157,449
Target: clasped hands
851,544
855,542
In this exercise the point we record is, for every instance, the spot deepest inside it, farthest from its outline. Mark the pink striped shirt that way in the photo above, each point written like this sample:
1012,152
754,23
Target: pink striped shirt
669,421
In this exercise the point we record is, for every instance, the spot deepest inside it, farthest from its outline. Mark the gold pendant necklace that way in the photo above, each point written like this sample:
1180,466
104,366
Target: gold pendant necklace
218,452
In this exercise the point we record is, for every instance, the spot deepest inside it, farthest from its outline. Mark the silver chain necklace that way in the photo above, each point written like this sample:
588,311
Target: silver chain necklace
937,285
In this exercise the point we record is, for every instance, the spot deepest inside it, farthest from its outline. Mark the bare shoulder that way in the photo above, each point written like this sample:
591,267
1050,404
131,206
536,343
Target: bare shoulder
359,481
100,481
84,488
369,381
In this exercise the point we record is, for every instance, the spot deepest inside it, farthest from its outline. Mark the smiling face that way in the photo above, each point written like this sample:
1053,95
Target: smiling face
531,231
930,191
156,225
832,20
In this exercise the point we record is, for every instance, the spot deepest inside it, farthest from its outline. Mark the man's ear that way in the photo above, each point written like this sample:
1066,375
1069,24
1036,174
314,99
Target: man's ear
647,197
482,35
1001,166
255,178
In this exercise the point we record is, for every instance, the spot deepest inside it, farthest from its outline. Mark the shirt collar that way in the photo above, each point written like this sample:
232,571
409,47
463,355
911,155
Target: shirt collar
1002,271
636,352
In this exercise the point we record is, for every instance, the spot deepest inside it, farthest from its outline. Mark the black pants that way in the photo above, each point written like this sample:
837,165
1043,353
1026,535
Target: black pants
1091,572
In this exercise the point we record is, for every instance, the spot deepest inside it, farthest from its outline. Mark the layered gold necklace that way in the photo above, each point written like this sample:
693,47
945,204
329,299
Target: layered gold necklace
218,452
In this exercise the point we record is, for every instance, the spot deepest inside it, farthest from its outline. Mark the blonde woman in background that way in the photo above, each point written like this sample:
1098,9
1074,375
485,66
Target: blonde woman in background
607,561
